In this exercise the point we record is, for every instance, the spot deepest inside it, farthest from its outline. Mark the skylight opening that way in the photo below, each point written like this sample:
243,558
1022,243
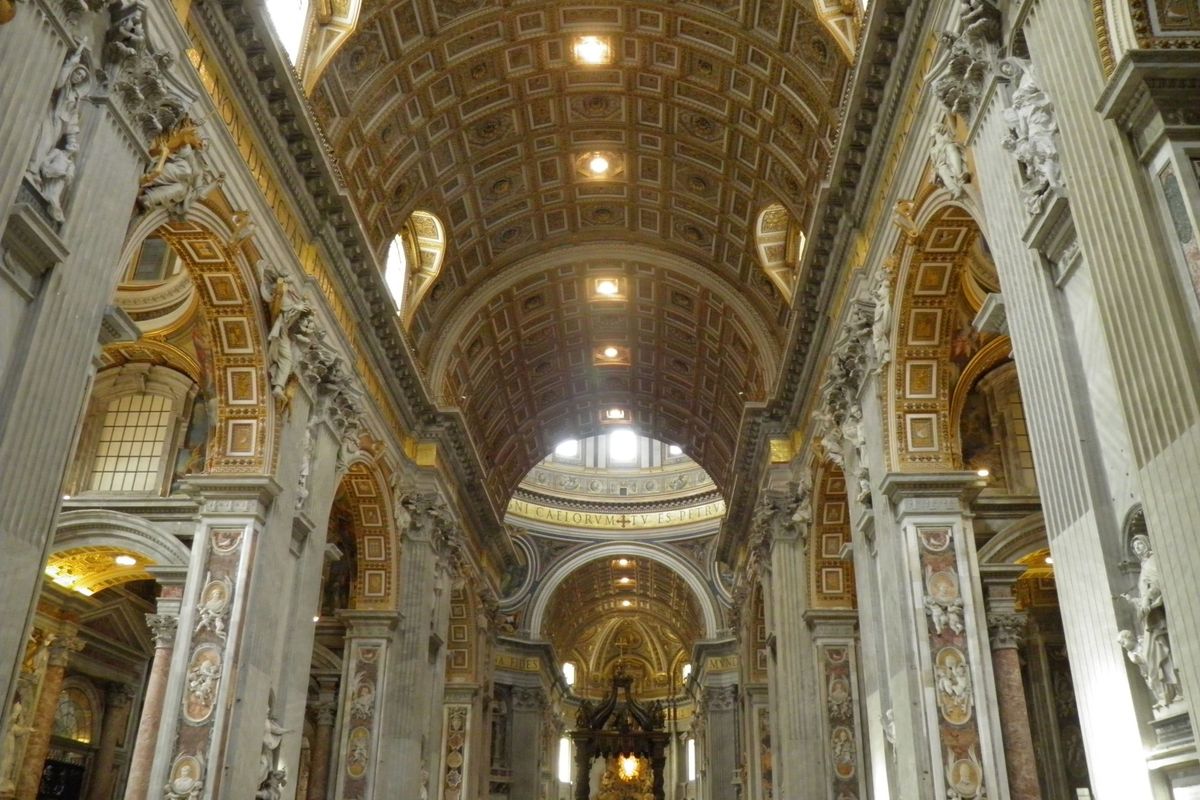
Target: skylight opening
395,273
288,17
623,445
567,449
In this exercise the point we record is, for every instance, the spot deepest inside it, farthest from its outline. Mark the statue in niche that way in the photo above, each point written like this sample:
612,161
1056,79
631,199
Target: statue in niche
181,173
272,771
1032,126
1149,645
52,166
946,154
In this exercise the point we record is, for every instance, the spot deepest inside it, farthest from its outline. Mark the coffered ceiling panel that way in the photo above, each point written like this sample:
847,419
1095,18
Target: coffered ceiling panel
706,112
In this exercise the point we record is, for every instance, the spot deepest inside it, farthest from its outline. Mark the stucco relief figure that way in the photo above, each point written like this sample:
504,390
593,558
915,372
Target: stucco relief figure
214,602
1032,126
362,704
943,604
946,155
185,782
964,776
952,679
52,167
202,679
181,173
1149,645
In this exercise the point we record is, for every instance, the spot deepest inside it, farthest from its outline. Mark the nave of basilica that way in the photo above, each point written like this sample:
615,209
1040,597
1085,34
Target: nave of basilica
599,399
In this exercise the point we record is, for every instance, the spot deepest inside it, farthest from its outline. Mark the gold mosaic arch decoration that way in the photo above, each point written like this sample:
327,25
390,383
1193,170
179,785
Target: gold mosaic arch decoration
932,340
243,435
370,509
831,577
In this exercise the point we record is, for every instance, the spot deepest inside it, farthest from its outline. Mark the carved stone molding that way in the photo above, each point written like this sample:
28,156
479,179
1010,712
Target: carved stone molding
529,699
719,698
966,57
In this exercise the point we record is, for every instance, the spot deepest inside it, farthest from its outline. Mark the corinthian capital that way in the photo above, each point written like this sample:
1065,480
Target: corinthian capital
1006,630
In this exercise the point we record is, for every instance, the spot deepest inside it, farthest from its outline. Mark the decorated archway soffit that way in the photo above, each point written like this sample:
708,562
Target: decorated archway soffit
478,113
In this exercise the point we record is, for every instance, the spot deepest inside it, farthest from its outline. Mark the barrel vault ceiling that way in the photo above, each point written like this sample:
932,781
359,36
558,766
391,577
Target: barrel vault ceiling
478,112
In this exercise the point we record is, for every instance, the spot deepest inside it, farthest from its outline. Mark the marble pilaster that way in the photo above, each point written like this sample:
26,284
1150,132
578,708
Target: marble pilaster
795,727
325,712
367,680
54,288
1006,629
163,627
118,697
412,715
949,716
528,705
42,723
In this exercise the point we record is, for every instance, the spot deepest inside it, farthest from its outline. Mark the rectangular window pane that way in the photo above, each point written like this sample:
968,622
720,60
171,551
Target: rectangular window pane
132,435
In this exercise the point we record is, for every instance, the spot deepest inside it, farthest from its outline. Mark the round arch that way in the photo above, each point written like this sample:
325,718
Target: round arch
368,503
685,569
244,437
105,528
933,347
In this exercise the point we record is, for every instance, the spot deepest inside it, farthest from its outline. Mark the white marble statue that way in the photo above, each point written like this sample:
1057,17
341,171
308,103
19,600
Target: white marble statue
272,772
946,155
1149,646
52,167
291,325
1032,127
180,176
881,322
13,738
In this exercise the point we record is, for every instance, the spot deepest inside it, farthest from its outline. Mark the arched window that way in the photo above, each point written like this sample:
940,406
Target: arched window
135,424
129,452
73,716
564,760
427,238
395,273
568,671
779,243
691,759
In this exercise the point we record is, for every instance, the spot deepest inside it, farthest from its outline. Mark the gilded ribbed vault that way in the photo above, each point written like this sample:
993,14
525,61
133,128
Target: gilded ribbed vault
708,112
641,612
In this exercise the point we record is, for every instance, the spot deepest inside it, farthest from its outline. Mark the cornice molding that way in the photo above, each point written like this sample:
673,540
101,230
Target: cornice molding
267,85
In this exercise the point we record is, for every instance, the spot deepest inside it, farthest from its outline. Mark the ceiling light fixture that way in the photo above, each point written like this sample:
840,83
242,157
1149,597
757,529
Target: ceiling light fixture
125,561
611,352
1049,560
598,164
625,580
606,287
622,562
592,50
626,603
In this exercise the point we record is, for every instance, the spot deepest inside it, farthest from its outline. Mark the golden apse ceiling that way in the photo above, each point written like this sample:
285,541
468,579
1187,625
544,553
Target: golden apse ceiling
480,113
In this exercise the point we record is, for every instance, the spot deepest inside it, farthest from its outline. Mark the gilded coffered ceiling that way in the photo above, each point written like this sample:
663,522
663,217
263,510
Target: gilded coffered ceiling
707,112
